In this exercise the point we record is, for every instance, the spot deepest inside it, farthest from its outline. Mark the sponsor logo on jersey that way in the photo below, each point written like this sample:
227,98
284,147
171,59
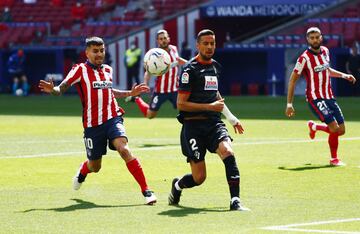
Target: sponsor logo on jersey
185,78
211,83
104,84
321,67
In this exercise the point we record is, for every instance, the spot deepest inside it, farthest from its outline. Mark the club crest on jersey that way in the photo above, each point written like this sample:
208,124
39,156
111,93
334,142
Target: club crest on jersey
185,78
104,84
211,83
321,67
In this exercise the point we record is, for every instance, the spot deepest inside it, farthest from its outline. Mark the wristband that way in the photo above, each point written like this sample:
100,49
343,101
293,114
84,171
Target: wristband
229,116
289,105
344,76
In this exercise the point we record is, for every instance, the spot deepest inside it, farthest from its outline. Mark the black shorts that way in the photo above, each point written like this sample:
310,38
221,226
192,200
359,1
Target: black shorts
197,136
97,138
157,99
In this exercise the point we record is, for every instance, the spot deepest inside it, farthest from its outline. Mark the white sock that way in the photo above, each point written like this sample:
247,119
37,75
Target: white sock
235,199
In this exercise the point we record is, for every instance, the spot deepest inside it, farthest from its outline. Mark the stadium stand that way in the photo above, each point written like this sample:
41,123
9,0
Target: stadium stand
64,17
340,29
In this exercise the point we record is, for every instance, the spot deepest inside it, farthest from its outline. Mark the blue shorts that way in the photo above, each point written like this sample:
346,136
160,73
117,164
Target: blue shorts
326,110
97,138
158,99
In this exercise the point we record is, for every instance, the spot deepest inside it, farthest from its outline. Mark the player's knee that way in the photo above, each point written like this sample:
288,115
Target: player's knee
226,151
123,151
341,132
95,168
334,129
199,178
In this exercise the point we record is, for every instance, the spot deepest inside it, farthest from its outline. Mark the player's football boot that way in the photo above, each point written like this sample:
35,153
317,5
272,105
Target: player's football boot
150,197
337,162
311,131
235,204
78,180
130,99
174,196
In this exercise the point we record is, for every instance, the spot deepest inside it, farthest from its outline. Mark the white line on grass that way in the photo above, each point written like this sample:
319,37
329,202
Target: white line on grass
272,142
292,227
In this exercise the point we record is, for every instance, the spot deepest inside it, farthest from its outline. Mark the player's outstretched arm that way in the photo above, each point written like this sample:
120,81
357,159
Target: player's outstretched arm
147,77
136,90
49,87
235,122
290,111
338,74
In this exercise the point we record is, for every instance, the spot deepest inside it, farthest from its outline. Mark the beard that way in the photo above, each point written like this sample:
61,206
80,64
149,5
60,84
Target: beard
315,47
164,46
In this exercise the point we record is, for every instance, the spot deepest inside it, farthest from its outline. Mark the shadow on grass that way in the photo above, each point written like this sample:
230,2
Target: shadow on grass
182,211
305,167
156,145
80,205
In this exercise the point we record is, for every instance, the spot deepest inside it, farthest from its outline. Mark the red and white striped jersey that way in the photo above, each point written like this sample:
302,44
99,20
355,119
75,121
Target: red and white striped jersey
94,86
169,82
315,68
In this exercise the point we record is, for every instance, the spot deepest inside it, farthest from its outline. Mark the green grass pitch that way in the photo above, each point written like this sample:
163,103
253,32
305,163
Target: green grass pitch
285,177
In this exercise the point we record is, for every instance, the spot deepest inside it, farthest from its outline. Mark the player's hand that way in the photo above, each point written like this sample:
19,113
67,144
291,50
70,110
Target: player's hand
217,106
46,87
238,128
138,89
290,112
350,78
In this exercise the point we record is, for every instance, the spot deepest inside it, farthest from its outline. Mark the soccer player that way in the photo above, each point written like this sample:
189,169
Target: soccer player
314,65
200,106
102,117
166,85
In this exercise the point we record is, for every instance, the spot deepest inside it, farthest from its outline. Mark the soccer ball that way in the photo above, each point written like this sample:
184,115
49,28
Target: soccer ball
157,61
19,92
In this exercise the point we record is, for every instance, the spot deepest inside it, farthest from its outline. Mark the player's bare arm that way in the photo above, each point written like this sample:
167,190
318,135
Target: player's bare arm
338,74
181,61
136,90
147,77
49,87
290,111
184,105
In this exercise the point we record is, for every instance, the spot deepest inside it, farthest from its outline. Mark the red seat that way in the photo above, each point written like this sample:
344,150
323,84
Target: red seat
253,89
235,89
337,28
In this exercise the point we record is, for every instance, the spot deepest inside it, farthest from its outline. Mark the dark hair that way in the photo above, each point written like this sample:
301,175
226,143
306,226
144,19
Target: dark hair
161,31
204,32
94,41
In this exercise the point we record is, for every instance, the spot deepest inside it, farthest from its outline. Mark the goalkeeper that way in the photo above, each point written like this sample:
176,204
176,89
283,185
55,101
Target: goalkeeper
200,106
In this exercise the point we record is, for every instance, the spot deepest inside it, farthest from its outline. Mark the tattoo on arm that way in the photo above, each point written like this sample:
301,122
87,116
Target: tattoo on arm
121,93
